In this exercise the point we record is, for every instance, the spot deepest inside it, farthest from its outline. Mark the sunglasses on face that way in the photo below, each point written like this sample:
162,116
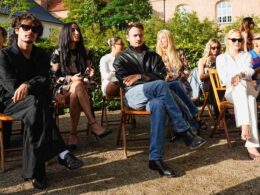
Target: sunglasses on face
26,27
215,48
257,38
236,40
74,29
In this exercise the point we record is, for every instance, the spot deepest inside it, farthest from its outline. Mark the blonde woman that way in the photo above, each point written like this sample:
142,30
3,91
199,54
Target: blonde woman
176,70
208,60
177,79
234,68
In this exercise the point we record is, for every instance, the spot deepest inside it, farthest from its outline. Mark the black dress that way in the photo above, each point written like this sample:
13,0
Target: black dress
41,139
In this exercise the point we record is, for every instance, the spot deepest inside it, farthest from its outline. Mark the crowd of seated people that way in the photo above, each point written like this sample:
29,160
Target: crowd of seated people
152,80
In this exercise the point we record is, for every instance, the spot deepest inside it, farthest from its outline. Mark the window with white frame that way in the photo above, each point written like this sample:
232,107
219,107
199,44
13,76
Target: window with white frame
224,12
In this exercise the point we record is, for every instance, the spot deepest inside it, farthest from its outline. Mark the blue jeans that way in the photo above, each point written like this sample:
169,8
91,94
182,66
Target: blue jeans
177,87
156,97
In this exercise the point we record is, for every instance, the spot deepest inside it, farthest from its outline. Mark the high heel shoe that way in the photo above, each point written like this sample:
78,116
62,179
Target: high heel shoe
98,136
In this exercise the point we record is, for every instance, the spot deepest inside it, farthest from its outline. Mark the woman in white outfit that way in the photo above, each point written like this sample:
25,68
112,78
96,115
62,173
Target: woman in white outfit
234,68
110,86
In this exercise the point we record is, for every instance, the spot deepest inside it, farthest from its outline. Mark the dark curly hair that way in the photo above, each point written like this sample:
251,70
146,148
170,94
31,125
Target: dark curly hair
16,23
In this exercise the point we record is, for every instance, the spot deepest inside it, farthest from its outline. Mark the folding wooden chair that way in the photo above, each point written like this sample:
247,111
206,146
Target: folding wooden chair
2,149
126,115
205,105
222,104
104,115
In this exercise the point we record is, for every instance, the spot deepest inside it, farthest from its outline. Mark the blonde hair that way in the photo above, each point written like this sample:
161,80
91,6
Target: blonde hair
171,54
255,42
212,41
228,36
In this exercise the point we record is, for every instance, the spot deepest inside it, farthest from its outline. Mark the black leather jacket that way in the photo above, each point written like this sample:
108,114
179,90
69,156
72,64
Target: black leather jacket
127,64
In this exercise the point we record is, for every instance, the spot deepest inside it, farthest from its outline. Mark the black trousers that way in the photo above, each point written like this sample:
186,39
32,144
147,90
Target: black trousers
41,140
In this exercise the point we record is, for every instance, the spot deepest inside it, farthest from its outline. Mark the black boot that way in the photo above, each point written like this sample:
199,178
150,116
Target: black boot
192,140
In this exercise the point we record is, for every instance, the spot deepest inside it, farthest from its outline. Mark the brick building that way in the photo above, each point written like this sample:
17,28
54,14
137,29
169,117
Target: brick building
222,11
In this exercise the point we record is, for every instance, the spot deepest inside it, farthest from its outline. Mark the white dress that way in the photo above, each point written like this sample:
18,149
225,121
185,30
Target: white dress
244,103
107,71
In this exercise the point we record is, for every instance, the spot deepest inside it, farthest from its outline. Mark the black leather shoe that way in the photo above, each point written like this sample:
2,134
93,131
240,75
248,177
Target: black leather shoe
70,161
191,140
159,166
39,183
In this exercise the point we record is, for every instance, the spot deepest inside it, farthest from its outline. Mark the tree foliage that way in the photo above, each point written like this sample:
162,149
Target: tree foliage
85,12
115,13
12,6
120,12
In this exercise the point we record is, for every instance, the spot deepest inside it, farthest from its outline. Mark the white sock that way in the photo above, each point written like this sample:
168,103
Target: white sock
62,154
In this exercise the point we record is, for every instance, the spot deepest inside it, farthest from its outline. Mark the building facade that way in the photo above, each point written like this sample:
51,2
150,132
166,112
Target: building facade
54,7
221,11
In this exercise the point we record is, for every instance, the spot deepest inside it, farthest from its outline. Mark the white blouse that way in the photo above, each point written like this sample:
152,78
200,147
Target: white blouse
227,67
107,71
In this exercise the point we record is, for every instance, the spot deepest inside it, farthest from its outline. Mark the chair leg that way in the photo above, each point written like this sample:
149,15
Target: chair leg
103,109
226,132
203,107
221,114
2,158
119,130
223,119
210,112
124,139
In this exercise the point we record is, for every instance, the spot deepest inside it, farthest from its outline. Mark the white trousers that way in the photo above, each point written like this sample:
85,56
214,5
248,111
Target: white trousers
245,110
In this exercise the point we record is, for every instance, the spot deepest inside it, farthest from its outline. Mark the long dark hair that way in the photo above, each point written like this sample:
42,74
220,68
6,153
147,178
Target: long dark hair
65,54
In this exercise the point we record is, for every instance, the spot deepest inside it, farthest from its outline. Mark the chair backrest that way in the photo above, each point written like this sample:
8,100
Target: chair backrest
216,85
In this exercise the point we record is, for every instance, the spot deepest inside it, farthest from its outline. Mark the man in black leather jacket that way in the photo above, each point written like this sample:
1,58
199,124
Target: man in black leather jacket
141,73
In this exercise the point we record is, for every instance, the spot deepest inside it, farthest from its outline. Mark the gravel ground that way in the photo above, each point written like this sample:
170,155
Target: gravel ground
212,169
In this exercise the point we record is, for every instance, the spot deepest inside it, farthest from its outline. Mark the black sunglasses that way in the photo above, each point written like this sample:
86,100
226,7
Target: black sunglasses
74,29
25,27
215,48
235,40
257,38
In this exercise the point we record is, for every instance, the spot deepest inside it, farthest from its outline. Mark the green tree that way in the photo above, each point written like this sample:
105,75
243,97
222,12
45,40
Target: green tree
12,6
191,34
120,12
85,12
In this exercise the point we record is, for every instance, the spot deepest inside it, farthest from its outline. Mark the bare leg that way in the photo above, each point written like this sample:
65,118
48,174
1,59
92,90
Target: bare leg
254,154
79,89
75,110
246,132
